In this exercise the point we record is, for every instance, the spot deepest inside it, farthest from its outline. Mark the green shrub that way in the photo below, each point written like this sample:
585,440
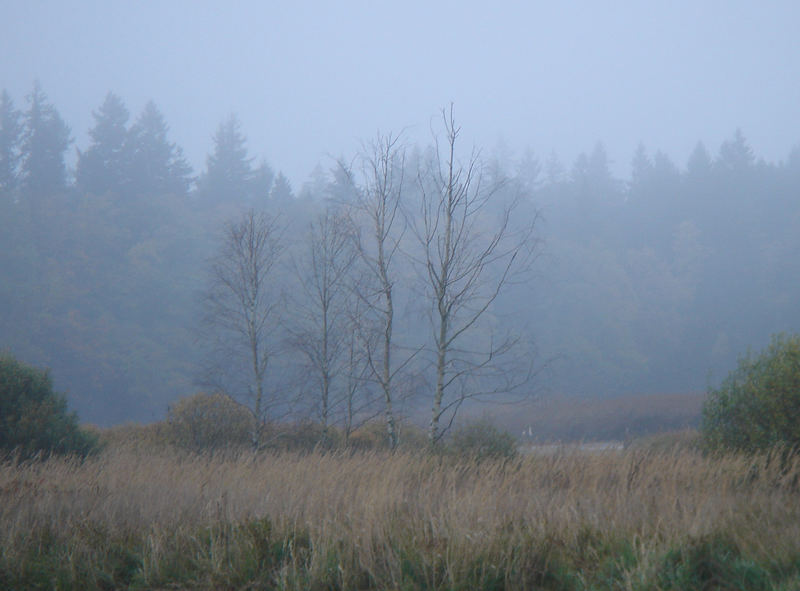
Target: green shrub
34,418
482,439
758,404
208,422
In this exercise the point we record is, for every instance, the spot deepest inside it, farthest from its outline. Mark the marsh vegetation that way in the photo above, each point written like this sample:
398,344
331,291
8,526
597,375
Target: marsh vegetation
143,517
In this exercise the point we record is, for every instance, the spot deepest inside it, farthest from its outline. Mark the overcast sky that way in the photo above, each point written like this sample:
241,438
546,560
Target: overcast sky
311,79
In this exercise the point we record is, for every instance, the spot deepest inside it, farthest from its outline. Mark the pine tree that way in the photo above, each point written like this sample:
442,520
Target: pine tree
665,173
45,140
554,170
228,170
282,189
102,167
735,155
261,182
579,174
699,163
599,172
529,172
10,138
155,165
641,168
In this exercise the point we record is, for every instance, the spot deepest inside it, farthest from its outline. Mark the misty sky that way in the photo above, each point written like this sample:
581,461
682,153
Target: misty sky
309,80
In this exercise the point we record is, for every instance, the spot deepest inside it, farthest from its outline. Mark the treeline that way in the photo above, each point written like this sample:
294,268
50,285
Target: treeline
103,265
651,284
126,158
661,282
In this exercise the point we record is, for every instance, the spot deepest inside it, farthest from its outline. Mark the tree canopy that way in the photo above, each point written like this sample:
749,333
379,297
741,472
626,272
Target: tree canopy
45,140
229,174
102,167
156,165
10,137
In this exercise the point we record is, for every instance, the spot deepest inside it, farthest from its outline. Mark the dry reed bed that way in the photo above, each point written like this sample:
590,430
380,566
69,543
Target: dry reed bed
375,508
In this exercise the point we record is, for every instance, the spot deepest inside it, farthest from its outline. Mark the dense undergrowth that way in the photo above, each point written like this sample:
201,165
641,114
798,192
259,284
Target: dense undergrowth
644,518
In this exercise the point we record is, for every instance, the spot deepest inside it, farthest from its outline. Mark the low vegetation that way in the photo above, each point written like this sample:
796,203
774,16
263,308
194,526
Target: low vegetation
482,440
33,417
758,404
187,504
656,517
208,422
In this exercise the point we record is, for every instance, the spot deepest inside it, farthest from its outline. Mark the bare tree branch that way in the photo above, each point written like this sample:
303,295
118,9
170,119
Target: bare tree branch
240,310
469,257
378,185
320,327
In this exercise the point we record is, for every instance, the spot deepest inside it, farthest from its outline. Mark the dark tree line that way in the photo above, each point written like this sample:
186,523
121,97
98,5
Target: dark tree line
125,158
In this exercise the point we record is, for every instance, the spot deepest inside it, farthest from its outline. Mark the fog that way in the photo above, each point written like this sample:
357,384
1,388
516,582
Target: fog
655,150
313,79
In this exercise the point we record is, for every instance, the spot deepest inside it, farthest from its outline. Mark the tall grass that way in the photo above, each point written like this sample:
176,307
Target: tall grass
637,519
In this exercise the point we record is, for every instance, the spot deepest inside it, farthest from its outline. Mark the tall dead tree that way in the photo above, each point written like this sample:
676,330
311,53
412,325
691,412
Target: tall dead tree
378,183
240,311
470,254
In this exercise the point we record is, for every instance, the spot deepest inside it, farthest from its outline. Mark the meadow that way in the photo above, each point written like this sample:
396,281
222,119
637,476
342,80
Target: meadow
647,517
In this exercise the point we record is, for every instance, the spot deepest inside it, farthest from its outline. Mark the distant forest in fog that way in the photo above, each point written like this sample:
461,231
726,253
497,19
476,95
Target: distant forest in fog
654,283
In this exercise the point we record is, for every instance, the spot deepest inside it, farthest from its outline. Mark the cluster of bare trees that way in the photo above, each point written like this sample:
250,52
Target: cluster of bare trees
437,229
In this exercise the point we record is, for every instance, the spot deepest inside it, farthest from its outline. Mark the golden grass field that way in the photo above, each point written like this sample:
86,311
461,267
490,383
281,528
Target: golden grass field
646,518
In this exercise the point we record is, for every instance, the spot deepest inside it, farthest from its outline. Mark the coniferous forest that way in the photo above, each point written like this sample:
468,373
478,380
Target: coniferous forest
656,282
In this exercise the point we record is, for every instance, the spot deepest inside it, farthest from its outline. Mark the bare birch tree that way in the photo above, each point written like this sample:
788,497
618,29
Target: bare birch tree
240,311
378,183
470,254
320,328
